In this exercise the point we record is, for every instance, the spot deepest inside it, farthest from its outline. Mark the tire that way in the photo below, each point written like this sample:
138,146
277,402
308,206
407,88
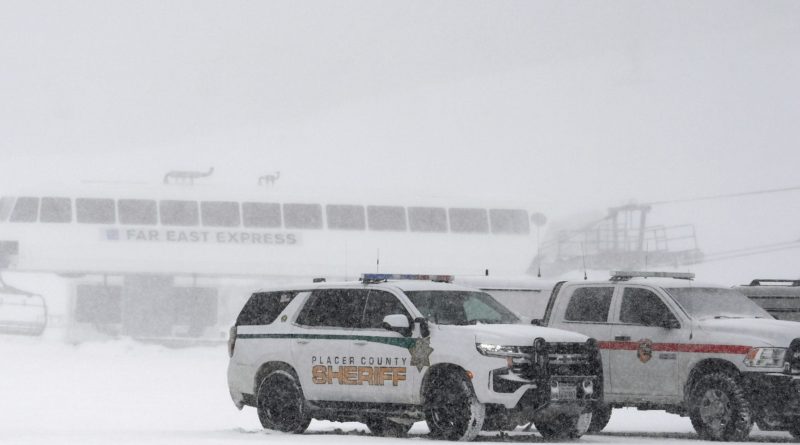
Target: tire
564,426
600,417
452,410
387,428
280,403
719,409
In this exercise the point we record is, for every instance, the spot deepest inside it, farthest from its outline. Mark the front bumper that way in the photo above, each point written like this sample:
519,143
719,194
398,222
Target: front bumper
563,393
775,398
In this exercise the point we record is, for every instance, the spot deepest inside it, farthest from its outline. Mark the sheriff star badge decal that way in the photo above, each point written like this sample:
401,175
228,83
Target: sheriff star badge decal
421,353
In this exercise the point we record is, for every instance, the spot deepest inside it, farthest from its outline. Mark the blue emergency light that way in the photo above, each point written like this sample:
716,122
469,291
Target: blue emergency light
374,277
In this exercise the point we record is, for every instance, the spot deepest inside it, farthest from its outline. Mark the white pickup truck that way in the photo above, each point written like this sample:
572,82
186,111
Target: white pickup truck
695,349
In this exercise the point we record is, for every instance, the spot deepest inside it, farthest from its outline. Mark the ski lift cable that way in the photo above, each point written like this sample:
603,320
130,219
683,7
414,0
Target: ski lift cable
763,246
726,195
755,251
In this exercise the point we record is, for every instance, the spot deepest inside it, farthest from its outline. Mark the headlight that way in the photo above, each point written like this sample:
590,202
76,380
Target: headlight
765,357
498,350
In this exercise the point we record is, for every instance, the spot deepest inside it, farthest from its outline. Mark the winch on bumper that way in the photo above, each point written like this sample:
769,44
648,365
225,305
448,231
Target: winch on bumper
560,377
776,396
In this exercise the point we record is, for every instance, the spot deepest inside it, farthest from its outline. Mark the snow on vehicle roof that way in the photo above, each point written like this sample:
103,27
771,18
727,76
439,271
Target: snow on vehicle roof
659,282
402,285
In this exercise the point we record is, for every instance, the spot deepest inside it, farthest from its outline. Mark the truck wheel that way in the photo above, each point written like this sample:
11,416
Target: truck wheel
452,410
600,417
719,409
564,426
280,403
387,428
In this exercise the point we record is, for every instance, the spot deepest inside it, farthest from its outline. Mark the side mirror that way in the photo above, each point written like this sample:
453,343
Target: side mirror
537,322
397,323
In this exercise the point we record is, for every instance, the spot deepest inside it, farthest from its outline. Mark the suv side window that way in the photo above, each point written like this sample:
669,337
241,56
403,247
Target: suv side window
589,304
379,305
643,307
338,308
264,307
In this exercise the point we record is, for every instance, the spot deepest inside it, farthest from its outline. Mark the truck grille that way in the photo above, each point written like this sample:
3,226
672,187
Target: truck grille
572,359
559,359
793,357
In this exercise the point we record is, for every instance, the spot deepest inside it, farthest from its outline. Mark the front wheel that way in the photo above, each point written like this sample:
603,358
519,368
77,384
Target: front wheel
452,410
564,426
719,409
280,403
600,417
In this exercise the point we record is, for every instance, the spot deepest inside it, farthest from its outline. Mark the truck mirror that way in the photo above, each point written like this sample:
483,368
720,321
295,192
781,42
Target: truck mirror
397,323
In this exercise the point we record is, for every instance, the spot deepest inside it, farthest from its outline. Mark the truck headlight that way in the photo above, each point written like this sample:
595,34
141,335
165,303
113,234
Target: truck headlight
765,357
498,350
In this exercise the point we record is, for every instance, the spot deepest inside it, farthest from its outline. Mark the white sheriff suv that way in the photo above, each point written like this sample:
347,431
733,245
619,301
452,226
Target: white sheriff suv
690,348
390,350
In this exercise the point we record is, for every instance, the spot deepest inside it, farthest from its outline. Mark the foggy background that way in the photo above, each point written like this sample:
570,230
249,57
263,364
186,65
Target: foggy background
562,106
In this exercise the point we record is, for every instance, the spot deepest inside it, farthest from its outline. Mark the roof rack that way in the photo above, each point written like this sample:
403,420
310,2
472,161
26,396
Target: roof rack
759,281
625,275
379,277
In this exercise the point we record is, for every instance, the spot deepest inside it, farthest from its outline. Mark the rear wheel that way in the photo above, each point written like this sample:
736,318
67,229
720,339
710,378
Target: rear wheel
564,426
600,417
719,409
387,428
452,410
280,403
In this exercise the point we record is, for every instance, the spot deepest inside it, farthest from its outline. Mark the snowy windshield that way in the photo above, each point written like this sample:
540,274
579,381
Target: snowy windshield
712,302
460,307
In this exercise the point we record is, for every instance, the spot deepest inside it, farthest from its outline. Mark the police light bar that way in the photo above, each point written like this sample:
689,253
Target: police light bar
622,275
374,277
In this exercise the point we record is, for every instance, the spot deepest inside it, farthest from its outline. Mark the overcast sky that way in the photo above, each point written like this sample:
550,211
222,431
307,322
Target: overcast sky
583,103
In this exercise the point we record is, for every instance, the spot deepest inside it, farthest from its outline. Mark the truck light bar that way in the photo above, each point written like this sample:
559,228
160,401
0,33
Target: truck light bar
624,275
375,277
761,281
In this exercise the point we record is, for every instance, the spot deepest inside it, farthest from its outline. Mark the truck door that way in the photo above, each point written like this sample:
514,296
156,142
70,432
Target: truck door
644,353
587,310
322,342
385,373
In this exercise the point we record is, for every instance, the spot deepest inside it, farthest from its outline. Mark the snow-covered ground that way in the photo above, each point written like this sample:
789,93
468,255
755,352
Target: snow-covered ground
131,393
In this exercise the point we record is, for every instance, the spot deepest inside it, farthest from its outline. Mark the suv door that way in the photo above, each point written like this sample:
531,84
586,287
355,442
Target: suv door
322,342
385,373
587,311
644,359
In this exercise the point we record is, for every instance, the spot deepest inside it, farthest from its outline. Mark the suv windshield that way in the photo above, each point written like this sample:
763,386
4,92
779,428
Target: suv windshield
460,307
708,302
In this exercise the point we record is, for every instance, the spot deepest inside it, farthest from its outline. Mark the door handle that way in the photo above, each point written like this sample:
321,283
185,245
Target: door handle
623,338
360,342
302,342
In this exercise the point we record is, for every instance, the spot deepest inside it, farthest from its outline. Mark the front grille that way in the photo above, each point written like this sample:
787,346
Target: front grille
573,359
793,357
559,359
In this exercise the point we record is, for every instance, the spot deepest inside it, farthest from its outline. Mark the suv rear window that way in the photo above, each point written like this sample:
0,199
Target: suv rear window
338,308
264,307
589,304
